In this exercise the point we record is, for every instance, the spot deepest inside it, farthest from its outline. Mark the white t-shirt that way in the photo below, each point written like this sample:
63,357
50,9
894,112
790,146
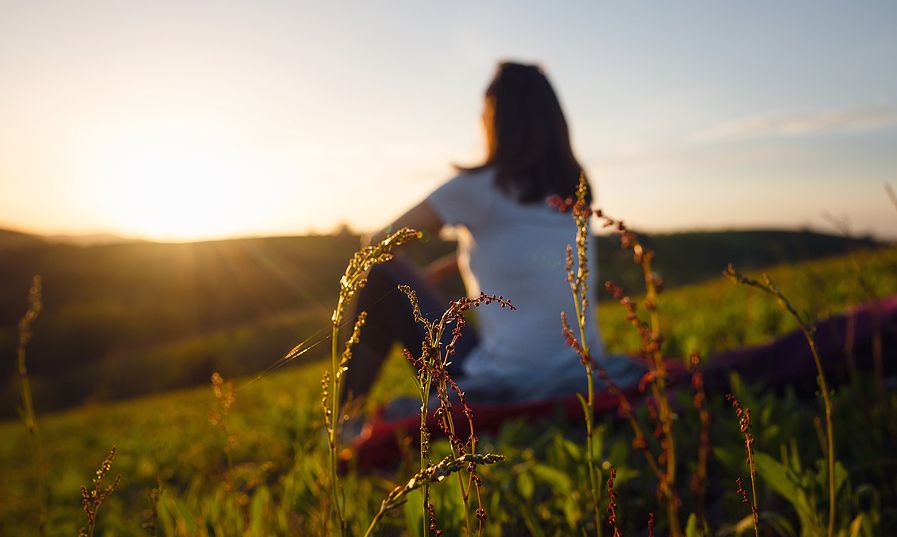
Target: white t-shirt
518,251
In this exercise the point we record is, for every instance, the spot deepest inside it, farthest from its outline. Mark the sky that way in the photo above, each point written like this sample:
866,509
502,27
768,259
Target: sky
208,119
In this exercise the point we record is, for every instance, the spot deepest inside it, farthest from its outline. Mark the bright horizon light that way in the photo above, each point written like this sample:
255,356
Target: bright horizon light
166,188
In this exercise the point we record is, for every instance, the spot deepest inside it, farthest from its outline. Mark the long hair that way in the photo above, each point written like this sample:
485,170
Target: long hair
528,142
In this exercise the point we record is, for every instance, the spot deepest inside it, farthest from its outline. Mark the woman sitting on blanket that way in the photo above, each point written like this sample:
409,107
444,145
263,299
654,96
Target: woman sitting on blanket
509,243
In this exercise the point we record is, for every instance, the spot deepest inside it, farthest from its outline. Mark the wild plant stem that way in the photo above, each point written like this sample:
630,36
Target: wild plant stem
755,511
335,385
699,483
449,422
663,406
352,280
374,522
465,496
447,415
807,329
744,423
28,414
589,413
826,400
432,365
829,434
424,450
34,438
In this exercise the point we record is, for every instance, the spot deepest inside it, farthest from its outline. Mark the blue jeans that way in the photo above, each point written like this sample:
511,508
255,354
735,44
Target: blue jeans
390,320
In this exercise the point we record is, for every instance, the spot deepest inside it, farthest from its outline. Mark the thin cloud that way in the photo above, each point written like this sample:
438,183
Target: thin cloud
821,122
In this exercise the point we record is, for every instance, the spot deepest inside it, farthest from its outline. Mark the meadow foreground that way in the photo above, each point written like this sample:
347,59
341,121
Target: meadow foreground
259,467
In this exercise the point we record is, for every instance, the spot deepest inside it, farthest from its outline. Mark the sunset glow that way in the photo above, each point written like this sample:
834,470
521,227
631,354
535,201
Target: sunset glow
298,118
172,188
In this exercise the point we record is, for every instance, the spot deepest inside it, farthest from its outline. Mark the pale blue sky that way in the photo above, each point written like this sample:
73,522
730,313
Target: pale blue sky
203,119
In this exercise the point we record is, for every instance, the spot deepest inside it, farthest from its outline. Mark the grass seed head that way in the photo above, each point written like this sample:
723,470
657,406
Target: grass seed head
93,498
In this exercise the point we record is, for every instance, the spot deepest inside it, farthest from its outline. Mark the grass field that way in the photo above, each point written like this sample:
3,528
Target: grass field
262,470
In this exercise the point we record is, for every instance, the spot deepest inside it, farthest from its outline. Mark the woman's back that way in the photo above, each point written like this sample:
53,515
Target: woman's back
518,251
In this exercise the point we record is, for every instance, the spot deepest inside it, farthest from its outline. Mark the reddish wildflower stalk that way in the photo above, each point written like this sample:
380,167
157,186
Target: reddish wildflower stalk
656,378
808,329
431,372
740,492
431,513
744,423
650,524
612,503
650,335
651,348
699,478
625,406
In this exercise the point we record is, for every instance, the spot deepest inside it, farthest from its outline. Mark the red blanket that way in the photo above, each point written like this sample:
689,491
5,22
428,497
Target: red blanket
378,445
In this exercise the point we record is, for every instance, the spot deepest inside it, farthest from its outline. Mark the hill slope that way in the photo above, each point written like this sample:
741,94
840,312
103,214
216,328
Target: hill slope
122,320
13,240
691,257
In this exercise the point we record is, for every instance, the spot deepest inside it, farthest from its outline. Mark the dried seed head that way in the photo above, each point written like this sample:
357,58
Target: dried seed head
612,502
740,492
92,499
431,513
354,277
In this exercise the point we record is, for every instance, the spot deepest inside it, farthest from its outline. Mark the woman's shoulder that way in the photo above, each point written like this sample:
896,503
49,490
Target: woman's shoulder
475,182
465,199
480,174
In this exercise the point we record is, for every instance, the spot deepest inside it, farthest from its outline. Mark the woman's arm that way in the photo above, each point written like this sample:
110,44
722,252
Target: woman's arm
421,217
441,268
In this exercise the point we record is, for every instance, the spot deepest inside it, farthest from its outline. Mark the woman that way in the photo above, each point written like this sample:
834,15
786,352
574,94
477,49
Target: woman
509,243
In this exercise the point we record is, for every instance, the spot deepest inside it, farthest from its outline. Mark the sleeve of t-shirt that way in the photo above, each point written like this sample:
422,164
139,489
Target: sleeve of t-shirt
462,200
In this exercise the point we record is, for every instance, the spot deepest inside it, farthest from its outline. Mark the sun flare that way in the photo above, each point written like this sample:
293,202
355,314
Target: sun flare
173,188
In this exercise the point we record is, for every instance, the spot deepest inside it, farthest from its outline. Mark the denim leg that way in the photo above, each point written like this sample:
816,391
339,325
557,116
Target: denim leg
390,320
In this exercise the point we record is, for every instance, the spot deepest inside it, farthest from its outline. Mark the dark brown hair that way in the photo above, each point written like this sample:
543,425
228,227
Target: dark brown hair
528,142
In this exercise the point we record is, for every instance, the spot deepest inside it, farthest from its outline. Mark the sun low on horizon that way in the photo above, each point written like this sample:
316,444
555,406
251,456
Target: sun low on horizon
189,179
173,189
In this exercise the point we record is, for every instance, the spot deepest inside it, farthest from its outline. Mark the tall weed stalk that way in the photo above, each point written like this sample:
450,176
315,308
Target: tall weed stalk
29,417
808,329
352,280
431,372
577,278
651,345
652,341
663,466
699,478
744,423
92,498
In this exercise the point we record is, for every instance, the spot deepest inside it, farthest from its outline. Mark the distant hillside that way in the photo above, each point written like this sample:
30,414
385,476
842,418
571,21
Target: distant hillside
122,320
91,239
690,257
10,240
126,319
